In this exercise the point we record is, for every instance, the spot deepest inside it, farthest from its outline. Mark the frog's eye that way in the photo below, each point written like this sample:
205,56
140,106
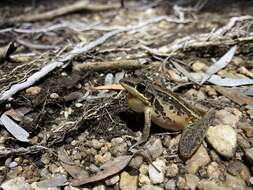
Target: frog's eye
140,87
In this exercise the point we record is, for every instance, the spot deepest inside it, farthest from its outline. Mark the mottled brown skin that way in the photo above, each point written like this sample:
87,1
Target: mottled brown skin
167,110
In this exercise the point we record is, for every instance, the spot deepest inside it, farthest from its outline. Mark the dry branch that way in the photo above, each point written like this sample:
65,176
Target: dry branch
70,8
5,152
36,46
109,65
208,39
77,50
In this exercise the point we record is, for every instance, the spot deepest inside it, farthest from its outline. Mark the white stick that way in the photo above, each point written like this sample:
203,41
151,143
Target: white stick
77,50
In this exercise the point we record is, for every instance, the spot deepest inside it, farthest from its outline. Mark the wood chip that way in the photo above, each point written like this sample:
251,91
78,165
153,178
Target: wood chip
109,87
56,181
109,168
235,95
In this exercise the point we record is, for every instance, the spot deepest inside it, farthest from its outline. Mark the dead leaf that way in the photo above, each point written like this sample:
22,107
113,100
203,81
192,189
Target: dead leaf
17,131
246,90
109,168
109,87
55,181
14,115
235,95
69,165
217,80
220,64
75,171
19,113
6,51
64,157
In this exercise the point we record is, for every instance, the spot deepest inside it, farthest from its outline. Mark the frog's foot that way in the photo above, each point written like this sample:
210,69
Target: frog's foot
139,142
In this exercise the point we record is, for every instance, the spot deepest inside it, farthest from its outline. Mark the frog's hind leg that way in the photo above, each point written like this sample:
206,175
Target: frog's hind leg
194,134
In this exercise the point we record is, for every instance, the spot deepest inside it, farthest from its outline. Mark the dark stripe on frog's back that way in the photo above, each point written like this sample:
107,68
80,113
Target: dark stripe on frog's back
175,102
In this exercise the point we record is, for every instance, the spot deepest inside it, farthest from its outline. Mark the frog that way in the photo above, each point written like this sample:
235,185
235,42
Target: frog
169,111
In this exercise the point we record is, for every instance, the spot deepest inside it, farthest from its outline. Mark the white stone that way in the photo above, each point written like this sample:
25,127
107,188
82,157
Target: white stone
36,187
18,183
13,164
144,180
155,148
199,159
128,182
157,176
99,187
151,187
223,139
113,180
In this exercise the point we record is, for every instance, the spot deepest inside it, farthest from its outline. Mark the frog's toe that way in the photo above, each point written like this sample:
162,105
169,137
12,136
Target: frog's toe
138,143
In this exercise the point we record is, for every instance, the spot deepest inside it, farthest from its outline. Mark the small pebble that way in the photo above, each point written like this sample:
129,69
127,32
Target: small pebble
54,95
136,162
237,60
191,181
237,168
181,183
17,183
112,180
151,187
96,144
32,91
78,105
157,177
210,91
144,169
223,139
228,116
119,147
213,170
13,164
119,76
101,159
198,66
170,184
128,182
155,148
249,155
144,180
166,141
172,170
205,184
198,160
247,128
99,187
235,182
243,142
109,79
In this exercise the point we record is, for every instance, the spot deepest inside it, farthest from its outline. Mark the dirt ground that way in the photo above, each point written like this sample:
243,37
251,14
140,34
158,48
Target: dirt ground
77,117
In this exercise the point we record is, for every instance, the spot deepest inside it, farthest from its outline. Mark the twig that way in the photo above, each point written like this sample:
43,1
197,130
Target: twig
109,65
6,152
70,8
77,50
206,40
233,21
36,46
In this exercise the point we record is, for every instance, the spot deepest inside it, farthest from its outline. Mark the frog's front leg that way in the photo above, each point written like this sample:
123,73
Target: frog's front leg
147,126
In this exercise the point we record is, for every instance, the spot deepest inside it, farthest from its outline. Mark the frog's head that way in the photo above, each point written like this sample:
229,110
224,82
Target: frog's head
139,88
